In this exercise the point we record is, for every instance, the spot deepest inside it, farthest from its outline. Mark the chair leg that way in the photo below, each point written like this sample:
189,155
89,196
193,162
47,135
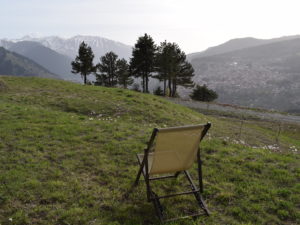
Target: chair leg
142,164
136,182
197,194
200,172
158,207
177,174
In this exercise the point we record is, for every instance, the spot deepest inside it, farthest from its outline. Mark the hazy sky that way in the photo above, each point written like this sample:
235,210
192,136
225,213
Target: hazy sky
193,24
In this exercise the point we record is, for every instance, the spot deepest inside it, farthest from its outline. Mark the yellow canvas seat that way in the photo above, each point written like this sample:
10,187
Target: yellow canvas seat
172,151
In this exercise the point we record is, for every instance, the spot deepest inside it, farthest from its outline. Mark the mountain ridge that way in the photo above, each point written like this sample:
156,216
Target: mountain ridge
236,44
264,76
15,64
56,54
69,46
51,60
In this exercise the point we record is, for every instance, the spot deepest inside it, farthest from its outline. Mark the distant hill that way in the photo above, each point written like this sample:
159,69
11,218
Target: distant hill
14,64
51,60
267,75
69,46
236,44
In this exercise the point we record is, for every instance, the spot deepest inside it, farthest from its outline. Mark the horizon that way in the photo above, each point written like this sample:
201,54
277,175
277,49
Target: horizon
87,35
193,25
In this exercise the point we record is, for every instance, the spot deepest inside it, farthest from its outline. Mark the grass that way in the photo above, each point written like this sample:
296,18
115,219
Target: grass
67,156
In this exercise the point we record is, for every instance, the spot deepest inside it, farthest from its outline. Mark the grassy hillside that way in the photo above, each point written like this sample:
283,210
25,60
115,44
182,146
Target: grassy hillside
67,156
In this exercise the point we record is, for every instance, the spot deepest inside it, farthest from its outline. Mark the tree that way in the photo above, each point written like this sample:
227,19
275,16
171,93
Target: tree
142,61
162,64
185,75
172,68
83,62
123,74
203,93
108,70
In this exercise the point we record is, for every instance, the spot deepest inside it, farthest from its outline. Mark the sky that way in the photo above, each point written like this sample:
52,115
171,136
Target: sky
193,24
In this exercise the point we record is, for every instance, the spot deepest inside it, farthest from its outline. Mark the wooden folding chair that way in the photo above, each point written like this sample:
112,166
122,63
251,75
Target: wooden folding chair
172,151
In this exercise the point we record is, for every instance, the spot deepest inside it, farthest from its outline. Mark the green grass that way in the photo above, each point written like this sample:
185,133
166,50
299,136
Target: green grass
67,156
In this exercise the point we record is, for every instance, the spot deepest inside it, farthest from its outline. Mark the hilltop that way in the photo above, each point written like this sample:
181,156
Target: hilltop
67,156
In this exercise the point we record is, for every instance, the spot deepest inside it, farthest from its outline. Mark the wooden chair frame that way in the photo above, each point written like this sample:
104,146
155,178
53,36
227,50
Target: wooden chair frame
155,199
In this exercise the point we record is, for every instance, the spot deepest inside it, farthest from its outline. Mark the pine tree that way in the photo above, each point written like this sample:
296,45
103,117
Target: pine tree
108,70
123,75
203,93
185,75
162,62
142,61
83,62
172,68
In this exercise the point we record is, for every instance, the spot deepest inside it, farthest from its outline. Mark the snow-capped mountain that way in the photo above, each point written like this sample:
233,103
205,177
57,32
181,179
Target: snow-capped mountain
56,53
69,46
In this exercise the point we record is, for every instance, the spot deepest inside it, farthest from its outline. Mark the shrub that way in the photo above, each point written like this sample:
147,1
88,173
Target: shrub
158,91
203,93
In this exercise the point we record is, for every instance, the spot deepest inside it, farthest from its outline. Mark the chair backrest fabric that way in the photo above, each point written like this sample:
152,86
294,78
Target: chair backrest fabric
175,149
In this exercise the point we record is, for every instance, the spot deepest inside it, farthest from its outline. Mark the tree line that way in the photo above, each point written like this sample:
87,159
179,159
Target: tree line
166,62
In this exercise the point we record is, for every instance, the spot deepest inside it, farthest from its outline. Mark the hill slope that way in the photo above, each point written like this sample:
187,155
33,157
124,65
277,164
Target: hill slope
56,63
17,65
237,44
266,76
67,156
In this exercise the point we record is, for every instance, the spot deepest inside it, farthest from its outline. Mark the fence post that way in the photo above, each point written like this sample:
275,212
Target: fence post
278,133
240,133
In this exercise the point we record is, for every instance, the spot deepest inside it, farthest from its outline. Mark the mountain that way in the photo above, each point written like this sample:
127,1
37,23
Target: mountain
266,76
51,60
69,46
14,64
236,44
55,53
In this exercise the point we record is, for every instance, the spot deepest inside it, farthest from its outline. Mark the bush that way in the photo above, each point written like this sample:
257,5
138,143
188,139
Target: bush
158,91
203,93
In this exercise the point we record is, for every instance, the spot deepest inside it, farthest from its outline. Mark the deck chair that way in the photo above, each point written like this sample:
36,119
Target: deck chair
172,151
